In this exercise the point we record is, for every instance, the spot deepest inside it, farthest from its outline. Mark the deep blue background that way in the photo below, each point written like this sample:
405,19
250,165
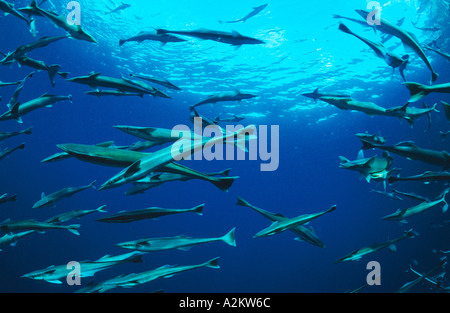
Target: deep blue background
308,180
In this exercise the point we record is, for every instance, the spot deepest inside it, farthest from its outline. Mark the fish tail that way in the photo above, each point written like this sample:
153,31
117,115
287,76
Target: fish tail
366,145
121,42
101,209
74,229
434,77
198,209
214,263
92,185
230,238
417,91
223,183
445,207
345,29
243,202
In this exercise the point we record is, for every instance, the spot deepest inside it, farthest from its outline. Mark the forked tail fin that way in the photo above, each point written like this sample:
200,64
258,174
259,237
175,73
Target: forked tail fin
417,91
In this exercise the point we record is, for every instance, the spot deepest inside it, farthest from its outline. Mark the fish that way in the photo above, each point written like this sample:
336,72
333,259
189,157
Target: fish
11,239
402,214
390,195
232,38
115,93
391,58
41,66
377,138
26,225
75,31
234,119
408,39
369,168
149,213
316,94
123,158
76,214
411,114
154,134
426,177
411,195
8,151
7,198
357,254
306,234
225,96
427,279
286,224
51,199
4,84
409,150
164,156
166,271
18,110
422,277
8,8
153,36
121,7
441,53
95,80
57,274
256,11
4,136
368,108
418,91
157,80
144,85
158,179
22,50
179,242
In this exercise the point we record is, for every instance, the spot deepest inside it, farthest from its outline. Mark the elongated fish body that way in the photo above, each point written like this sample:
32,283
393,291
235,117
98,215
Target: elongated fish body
68,216
377,138
392,59
418,91
8,8
124,158
178,151
121,7
21,51
131,280
8,151
226,96
423,277
75,31
281,226
149,213
402,215
157,80
316,94
441,53
407,39
256,11
153,36
368,108
233,38
41,66
160,135
155,180
115,93
3,84
178,242
425,177
359,253
4,136
410,150
7,198
95,80
11,239
26,225
56,274
303,233
411,195
19,110
51,199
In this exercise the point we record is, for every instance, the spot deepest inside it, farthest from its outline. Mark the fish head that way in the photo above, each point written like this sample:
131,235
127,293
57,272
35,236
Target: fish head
127,245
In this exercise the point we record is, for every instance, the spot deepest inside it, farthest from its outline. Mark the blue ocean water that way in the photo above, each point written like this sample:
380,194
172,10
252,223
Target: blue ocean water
303,50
